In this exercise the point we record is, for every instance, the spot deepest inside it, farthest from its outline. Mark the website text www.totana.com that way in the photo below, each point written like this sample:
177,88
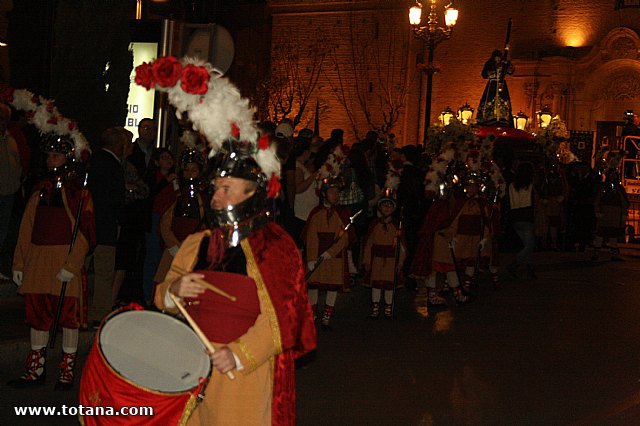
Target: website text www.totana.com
82,410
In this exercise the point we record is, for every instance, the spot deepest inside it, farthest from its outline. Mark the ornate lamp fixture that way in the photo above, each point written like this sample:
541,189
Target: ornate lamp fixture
446,116
544,116
431,34
520,120
465,113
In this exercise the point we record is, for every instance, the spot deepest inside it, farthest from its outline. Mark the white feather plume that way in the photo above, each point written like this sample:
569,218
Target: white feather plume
47,119
216,113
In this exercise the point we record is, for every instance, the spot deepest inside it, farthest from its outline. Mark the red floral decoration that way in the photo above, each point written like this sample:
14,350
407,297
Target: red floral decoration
235,130
167,71
144,76
273,187
263,142
195,80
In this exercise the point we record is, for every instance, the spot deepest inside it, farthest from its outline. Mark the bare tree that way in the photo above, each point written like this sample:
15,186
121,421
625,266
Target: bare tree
372,83
295,71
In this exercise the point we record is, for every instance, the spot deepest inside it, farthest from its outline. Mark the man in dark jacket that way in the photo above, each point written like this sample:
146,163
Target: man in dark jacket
106,183
143,146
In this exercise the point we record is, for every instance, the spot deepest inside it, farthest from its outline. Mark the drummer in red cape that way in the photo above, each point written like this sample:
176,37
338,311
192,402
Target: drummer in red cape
258,336
269,325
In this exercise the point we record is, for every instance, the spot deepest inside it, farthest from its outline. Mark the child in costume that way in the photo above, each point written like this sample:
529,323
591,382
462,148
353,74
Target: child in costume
43,260
326,245
187,214
383,255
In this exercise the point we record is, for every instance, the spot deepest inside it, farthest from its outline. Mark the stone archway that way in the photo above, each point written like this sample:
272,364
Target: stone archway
607,81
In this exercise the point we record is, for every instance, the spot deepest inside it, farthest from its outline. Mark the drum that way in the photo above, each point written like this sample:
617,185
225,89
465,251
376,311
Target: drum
144,359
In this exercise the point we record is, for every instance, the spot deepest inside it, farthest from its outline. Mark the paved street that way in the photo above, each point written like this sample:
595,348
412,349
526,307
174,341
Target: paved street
560,350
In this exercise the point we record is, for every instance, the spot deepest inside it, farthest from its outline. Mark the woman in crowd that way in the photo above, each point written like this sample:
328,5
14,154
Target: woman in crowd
521,199
306,198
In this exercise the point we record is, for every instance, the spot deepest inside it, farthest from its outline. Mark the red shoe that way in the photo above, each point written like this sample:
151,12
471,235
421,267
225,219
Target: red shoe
65,381
35,370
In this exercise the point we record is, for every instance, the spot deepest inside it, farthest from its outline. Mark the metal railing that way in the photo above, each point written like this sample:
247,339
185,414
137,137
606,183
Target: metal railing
630,174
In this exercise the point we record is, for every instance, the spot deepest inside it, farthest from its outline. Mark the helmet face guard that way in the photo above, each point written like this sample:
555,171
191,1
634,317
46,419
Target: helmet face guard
58,144
388,195
233,163
191,155
234,160
331,182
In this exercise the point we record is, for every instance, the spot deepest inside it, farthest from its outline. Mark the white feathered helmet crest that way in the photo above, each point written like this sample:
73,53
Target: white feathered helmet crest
215,108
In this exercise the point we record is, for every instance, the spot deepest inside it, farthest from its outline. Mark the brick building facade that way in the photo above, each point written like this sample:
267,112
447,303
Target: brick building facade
580,58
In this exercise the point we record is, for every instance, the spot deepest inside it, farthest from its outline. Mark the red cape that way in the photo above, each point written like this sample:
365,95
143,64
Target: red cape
280,265
440,216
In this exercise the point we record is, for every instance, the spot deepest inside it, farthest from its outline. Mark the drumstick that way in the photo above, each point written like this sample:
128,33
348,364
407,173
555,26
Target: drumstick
197,329
202,282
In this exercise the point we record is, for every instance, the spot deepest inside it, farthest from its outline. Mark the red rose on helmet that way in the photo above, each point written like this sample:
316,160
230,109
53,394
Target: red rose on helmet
144,76
273,187
167,71
195,80
235,130
263,142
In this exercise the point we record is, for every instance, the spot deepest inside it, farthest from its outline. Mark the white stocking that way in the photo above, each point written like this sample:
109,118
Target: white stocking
468,271
331,298
431,280
388,297
70,340
39,339
452,278
375,295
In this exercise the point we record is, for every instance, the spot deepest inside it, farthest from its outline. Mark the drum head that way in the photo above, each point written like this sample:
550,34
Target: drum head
154,350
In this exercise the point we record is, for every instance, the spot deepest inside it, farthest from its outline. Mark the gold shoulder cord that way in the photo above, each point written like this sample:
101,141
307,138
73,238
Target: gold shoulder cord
254,272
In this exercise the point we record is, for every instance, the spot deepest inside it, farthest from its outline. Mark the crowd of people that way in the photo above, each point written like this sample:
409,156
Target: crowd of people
145,204
146,224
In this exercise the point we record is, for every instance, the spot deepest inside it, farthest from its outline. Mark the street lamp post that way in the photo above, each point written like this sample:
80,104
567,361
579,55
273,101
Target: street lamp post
544,116
431,35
